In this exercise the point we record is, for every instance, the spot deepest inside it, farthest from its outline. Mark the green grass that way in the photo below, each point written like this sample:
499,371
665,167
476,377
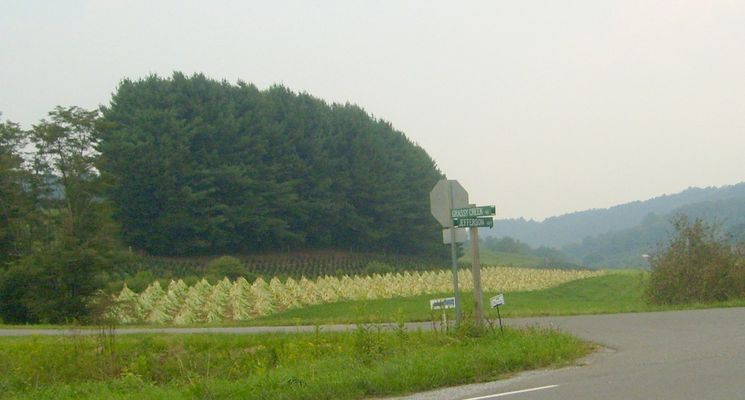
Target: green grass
359,364
618,291
615,292
489,257
610,293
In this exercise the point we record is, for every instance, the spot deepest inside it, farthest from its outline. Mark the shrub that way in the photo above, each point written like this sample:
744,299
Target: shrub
53,285
696,266
226,267
15,288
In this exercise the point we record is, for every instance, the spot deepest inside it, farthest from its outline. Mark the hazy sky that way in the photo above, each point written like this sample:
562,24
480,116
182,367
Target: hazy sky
538,107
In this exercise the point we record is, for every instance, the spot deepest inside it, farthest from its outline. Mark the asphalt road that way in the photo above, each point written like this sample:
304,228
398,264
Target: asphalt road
667,355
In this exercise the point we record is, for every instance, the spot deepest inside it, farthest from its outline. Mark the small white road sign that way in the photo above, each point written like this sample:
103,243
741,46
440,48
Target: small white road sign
497,300
438,304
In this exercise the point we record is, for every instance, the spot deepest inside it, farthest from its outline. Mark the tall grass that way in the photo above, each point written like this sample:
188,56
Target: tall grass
366,362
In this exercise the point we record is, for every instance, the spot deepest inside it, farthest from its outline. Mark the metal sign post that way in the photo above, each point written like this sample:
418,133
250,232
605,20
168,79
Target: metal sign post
444,197
454,256
495,302
449,206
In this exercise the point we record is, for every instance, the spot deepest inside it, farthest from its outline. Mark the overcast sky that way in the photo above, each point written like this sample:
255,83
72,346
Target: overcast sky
538,107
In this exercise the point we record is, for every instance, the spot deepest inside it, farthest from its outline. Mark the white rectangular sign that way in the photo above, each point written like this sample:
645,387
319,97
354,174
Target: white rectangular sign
497,300
460,235
438,304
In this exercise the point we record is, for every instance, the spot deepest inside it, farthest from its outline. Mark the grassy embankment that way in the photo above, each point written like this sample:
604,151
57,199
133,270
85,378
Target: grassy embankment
359,364
615,292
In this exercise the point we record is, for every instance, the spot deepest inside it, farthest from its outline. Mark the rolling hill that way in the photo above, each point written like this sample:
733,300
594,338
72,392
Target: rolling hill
619,236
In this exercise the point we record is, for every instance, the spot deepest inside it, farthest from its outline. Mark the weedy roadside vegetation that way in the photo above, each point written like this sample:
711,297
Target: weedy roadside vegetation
368,361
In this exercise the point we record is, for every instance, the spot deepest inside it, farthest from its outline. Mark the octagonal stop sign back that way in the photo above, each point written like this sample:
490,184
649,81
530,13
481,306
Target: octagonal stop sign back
439,200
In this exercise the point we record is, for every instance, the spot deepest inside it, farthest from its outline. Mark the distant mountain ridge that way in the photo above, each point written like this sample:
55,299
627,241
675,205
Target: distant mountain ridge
626,247
575,227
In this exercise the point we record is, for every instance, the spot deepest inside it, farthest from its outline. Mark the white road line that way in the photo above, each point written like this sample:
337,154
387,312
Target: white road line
492,396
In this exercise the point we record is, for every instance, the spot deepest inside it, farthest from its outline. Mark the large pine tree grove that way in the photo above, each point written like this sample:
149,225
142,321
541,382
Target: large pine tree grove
199,166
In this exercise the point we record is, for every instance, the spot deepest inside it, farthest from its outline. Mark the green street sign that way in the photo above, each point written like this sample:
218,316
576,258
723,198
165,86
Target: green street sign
478,222
480,211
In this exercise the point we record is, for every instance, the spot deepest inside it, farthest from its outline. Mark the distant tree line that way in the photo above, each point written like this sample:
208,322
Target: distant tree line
723,203
621,236
625,248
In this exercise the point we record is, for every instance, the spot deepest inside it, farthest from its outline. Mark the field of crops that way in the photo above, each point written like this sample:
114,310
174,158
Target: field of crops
240,300
310,264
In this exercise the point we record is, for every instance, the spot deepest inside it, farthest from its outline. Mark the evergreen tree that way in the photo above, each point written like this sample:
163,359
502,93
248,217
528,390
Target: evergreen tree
206,167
